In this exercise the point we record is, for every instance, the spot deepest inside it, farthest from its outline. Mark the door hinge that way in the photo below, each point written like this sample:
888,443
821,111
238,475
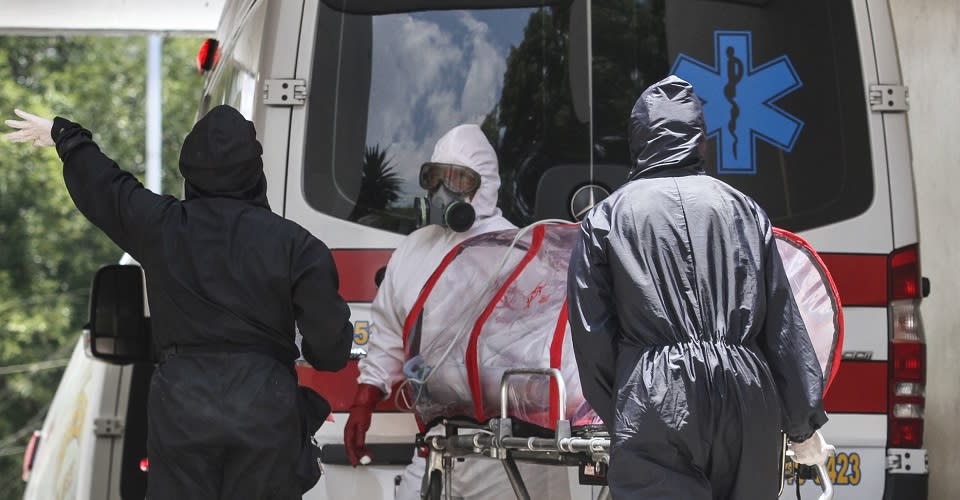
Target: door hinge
889,98
108,426
285,92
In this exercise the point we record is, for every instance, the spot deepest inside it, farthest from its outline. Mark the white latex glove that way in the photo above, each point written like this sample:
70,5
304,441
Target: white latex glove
813,451
32,129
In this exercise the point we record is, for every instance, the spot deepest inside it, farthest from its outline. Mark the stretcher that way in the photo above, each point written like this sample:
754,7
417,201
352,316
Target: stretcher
588,449
468,377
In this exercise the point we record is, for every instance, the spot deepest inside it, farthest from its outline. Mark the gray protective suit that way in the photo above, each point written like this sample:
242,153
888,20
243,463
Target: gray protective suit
688,338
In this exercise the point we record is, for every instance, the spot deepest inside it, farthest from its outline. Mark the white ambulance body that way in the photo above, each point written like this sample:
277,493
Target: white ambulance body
93,443
806,113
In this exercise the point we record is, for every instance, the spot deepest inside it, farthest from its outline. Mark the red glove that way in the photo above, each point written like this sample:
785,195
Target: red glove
355,435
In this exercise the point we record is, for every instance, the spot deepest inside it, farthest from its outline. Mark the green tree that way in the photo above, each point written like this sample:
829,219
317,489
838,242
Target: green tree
536,114
48,251
379,183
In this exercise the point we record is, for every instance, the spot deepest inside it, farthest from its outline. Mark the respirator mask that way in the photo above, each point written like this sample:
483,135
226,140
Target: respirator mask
449,186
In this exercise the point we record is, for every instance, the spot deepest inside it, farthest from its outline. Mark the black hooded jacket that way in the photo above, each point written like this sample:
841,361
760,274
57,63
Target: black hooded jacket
221,268
680,309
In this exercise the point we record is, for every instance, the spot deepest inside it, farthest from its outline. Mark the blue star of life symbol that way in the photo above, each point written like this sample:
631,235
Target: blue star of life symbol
739,100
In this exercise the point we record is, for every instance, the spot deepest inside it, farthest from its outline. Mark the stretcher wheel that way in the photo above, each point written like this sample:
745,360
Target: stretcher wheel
435,490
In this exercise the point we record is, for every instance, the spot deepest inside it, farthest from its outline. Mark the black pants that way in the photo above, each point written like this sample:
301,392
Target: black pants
708,434
223,426
738,464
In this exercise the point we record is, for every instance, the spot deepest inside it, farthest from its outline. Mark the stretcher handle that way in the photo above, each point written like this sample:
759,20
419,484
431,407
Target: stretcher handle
825,483
547,372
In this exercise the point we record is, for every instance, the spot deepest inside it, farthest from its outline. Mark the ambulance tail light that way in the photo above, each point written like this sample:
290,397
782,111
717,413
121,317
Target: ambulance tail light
907,374
907,351
905,281
30,454
208,55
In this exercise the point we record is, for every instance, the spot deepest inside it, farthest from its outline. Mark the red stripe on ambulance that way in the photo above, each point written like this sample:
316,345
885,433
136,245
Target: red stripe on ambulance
860,387
861,278
338,388
357,269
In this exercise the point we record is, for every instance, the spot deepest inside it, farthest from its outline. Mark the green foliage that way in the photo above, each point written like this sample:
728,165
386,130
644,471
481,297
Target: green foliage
381,187
48,251
379,183
535,124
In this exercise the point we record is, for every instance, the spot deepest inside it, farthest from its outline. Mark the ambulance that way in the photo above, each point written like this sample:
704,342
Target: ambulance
806,112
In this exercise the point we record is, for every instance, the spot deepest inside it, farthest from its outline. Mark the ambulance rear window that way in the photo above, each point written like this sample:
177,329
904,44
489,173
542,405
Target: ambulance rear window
785,102
399,81
781,80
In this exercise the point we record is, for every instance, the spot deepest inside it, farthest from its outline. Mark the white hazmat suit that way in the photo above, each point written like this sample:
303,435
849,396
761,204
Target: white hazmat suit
408,270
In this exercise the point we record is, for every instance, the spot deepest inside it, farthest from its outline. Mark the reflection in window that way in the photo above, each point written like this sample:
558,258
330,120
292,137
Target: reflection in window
385,88
430,71
536,119
380,188
508,70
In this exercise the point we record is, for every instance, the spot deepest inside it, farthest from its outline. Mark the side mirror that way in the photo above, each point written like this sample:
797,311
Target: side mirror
119,330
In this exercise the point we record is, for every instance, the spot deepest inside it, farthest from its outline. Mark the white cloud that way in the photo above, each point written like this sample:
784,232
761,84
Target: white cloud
428,78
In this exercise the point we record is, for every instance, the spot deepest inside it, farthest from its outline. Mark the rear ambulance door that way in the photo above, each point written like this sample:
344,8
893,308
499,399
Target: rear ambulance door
258,43
359,251
380,95
804,142
65,442
90,447
787,89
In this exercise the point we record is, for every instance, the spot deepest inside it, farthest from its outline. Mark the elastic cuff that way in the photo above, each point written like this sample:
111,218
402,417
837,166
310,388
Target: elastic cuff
814,423
367,396
60,125
385,386
799,438
68,136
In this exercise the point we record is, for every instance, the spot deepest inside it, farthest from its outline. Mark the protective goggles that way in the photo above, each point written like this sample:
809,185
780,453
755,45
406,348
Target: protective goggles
456,178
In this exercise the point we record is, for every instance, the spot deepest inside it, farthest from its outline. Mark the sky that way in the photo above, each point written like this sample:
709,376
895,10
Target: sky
432,71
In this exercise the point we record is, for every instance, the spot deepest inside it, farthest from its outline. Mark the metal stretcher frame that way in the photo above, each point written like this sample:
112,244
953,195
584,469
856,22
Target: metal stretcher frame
495,440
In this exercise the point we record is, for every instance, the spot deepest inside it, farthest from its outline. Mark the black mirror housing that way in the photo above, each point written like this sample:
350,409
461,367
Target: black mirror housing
119,330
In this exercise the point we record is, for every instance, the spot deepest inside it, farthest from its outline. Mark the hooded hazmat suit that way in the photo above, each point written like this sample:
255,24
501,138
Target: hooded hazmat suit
687,335
227,279
410,266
